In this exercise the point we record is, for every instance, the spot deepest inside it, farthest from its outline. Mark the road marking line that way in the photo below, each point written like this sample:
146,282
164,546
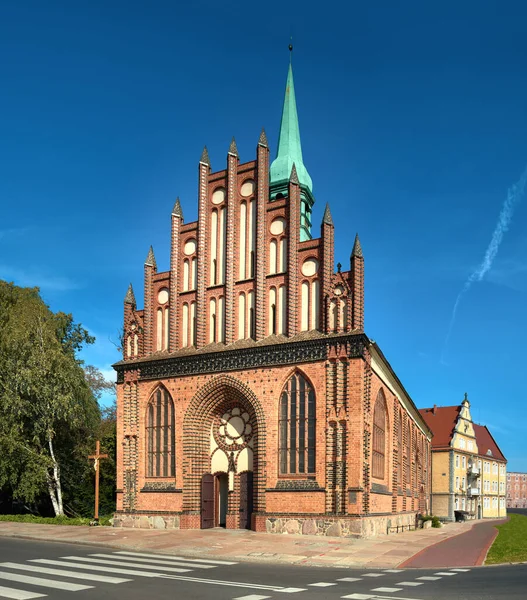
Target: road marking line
253,586
50,583
120,563
387,589
321,584
252,597
350,579
392,598
445,573
373,574
63,563
409,583
461,570
393,570
358,596
167,557
429,578
62,572
155,561
15,594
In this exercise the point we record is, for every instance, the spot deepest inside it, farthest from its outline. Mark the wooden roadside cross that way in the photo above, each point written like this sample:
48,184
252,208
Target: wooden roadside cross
96,458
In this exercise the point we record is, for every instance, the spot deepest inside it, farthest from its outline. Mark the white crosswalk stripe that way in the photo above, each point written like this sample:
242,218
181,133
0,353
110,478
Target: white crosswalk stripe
106,569
15,594
40,581
121,563
169,557
155,561
64,573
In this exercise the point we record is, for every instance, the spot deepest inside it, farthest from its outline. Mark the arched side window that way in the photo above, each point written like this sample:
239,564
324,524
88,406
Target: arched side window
379,437
400,449
408,457
160,436
296,427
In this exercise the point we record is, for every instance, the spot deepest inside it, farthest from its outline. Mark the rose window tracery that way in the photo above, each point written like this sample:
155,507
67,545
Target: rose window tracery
234,430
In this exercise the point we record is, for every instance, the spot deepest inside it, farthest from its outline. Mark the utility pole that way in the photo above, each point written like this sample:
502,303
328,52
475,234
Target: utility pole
96,458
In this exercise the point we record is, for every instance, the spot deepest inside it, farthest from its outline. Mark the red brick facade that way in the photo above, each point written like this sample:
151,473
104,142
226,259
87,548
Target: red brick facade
245,307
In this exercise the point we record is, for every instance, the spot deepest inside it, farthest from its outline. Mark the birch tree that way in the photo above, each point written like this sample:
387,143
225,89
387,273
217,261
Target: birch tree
44,396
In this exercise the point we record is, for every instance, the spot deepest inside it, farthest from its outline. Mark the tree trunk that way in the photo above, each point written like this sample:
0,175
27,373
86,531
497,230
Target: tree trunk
54,486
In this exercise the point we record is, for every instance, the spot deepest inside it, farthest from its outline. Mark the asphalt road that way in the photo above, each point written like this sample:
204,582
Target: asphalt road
30,569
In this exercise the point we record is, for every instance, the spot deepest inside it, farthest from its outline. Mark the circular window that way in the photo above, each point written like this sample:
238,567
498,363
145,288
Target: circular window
218,196
162,296
277,226
190,247
247,188
234,428
310,267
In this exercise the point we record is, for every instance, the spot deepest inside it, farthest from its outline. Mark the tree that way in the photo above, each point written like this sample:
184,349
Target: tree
45,400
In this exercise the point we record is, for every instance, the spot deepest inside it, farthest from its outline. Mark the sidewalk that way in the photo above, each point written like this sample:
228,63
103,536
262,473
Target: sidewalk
466,550
388,551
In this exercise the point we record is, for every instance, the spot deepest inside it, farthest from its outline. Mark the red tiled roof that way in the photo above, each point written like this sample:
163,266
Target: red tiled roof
441,420
486,442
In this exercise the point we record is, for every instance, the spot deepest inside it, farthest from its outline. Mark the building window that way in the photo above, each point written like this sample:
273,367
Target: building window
400,449
379,434
457,461
297,427
160,435
464,462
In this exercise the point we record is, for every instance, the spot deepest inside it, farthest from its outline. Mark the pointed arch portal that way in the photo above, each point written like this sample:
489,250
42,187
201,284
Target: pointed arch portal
223,454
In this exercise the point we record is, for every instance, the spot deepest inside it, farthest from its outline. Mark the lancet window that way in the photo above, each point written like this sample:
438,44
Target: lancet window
379,437
160,435
297,427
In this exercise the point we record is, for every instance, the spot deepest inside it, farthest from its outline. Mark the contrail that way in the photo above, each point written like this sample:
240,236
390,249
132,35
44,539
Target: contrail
514,195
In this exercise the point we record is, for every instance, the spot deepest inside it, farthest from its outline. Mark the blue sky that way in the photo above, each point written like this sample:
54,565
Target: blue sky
414,125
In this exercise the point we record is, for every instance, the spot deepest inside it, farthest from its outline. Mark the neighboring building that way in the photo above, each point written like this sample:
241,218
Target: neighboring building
249,395
516,490
468,468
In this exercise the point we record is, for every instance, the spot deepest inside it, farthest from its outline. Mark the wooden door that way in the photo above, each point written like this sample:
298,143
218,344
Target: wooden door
246,499
207,501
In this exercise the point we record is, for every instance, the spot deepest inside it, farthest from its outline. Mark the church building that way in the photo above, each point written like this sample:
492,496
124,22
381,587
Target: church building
249,395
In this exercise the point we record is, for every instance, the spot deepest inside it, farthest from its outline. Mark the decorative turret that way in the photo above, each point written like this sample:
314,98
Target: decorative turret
290,152
357,285
177,211
130,296
233,149
205,157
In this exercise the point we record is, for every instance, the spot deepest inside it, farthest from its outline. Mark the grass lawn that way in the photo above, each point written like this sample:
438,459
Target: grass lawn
511,544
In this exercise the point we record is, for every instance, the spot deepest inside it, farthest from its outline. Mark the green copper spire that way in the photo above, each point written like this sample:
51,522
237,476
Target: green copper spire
289,153
289,146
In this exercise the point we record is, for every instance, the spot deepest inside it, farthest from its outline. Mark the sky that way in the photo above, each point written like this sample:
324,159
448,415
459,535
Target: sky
413,118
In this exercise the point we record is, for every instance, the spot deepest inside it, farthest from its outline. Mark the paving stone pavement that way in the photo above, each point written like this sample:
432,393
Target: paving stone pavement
387,551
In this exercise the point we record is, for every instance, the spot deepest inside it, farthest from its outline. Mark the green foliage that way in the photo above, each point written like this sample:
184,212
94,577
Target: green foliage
511,544
436,522
48,402
61,520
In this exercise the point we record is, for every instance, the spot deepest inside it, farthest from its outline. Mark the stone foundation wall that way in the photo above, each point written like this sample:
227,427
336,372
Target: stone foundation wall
359,527
144,521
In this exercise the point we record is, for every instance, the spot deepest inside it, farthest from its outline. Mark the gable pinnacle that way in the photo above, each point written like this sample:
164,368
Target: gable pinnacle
357,249
151,259
233,149
205,157
130,297
327,219
293,178
263,139
177,211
